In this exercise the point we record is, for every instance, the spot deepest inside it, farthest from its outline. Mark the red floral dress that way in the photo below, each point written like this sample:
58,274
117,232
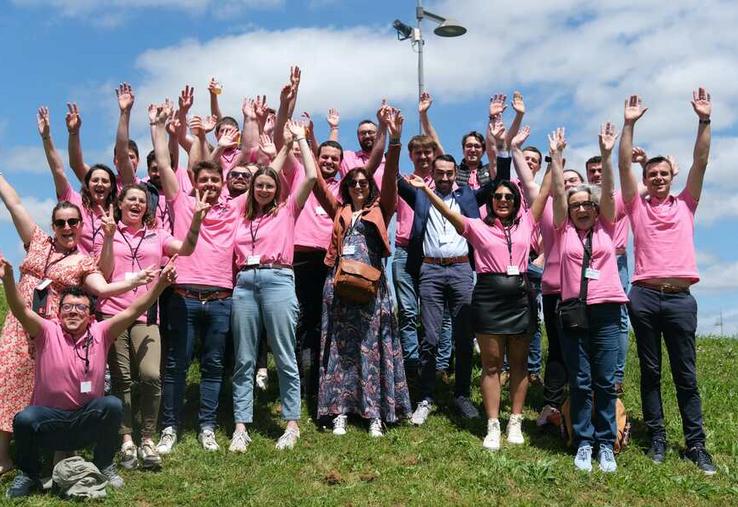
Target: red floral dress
16,347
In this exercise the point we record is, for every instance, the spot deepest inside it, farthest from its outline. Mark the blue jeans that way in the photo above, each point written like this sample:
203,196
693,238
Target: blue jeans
190,319
590,358
265,298
623,344
96,423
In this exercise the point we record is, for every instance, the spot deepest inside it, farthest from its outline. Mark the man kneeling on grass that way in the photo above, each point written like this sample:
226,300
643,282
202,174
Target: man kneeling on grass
68,410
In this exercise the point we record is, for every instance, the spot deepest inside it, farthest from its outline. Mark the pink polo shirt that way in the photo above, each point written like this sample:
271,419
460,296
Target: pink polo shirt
663,237
620,237
551,281
353,159
212,261
135,250
405,217
271,238
314,226
491,253
60,365
91,235
604,287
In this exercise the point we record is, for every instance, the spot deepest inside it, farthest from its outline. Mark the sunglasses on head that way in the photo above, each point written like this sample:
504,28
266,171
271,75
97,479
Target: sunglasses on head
61,222
500,196
238,174
587,205
360,183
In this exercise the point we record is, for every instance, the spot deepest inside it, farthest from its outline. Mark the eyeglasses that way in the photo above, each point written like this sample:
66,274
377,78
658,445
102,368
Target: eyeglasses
60,222
500,196
587,205
470,146
80,307
233,175
360,183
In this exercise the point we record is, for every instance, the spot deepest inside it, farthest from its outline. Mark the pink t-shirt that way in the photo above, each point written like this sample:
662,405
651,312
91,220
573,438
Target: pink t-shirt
551,281
314,226
663,237
212,261
490,242
271,238
149,247
620,237
60,366
405,217
91,235
604,284
353,159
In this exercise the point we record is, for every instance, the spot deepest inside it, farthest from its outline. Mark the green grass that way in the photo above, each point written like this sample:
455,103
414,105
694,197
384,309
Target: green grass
443,462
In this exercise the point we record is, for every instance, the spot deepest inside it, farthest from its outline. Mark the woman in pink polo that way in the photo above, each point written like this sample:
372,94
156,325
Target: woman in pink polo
585,227
264,294
137,244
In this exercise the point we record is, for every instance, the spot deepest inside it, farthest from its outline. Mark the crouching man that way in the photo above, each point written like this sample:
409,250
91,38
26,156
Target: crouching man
68,409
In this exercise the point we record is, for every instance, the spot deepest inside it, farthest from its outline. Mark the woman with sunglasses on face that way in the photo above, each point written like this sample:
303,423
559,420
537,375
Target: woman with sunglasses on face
51,263
503,315
584,218
361,366
136,244
98,190
264,294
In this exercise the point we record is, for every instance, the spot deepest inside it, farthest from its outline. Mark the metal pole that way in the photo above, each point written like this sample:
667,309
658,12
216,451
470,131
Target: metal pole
421,42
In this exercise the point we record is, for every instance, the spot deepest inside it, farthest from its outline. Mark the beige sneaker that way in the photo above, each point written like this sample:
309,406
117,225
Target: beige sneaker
515,429
492,440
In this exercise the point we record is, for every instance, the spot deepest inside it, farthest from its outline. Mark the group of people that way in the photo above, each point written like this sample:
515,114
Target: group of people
268,238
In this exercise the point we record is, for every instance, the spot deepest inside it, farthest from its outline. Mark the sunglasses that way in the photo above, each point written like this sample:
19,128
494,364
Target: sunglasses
587,205
80,307
500,196
59,223
360,183
233,175
473,145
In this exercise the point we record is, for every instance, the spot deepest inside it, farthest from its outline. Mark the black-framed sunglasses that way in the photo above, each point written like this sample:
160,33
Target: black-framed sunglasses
360,183
587,205
59,223
233,175
500,196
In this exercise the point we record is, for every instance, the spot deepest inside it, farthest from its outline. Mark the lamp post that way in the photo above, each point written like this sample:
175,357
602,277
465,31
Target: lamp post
447,27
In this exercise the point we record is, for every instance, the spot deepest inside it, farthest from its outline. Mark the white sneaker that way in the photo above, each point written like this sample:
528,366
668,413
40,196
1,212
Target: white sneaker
167,441
148,455
262,379
492,440
240,441
339,425
515,429
288,439
421,413
207,439
375,428
549,415
129,455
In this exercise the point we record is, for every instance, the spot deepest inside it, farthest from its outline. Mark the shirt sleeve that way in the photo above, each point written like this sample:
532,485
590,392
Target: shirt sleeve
690,201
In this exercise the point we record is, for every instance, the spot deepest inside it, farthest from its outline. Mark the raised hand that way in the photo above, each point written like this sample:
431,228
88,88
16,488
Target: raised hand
196,126
701,103
497,104
634,109
72,118
639,155
271,120
261,109
297,130
425,102
295,76
229,137
394,123
496,129
214,87
520,137
186,99
168,273
107,221
517,102
152,113
267,147
306,121
173,124
608,134
333,118
674,165
415,181
557,140
208,123
42,118
248,108
161,114
124,92
382,113
201,205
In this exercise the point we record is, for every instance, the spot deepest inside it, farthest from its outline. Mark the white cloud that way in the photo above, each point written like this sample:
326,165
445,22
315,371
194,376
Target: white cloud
26,159
39,209
717,275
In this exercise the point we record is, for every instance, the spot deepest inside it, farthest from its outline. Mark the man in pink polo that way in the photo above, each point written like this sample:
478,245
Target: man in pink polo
366,133
68,408
665,268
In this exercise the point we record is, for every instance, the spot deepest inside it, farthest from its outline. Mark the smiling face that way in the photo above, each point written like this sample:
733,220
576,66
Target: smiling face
657,178
583,211
444,175
329,160
239,178
209,180
74,314
366,134
503,202
154,176
133,207
67,226
265,190
100,186
422,157
594,173
533,159
358,187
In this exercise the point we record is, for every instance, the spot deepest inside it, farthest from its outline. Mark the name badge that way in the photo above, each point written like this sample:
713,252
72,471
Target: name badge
43,284
513,270
446,238
320,211
253,260
592,274
349,250
130,275
85,387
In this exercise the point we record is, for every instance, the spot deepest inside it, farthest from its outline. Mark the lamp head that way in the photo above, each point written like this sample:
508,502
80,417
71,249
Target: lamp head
449,28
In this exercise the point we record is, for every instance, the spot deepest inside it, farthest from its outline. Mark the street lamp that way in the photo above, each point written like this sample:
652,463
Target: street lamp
446,28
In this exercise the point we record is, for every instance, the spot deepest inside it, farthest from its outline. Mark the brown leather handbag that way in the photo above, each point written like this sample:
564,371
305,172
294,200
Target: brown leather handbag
356,281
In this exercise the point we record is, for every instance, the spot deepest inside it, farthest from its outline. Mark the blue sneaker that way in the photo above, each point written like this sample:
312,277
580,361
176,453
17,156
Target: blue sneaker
607,459
583,459
23,485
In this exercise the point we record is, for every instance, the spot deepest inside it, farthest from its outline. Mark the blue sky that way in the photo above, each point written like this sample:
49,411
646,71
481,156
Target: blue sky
574,60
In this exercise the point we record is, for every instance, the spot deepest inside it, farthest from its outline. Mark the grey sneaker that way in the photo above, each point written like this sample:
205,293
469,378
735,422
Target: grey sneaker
466,408
167,441
22,485
288,439
111,474
421,413
207,439
583,459
149,455
128,456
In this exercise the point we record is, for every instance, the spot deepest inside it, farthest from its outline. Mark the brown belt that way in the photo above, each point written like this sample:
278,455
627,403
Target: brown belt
446,261
204,294
273,265
664,288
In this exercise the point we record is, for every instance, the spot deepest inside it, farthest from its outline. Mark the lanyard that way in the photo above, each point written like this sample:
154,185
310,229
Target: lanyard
48,264
508,239
254,232
165,212
587,243
86,358
92,222
134,251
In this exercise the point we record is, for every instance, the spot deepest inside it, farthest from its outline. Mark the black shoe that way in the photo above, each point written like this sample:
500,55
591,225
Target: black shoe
657,451
700,457
466,408
23,485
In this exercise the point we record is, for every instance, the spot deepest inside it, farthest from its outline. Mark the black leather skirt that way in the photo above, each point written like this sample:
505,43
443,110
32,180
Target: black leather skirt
502,304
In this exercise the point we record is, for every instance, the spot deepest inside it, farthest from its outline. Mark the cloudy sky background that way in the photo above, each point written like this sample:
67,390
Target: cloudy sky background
575,61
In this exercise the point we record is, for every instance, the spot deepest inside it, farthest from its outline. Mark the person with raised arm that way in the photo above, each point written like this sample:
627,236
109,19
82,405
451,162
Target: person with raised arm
368,134
361,368
591,296
51,263
68,409
665,268
202,298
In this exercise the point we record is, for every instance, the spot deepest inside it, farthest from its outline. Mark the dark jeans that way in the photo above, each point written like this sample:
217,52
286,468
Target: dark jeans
623,352
190,319
555,377
653,314
591,357
441,287
97,424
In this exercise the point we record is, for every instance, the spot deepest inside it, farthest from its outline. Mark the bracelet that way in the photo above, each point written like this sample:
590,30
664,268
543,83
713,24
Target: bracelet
394,140
298,139
45,138
152,123
704,121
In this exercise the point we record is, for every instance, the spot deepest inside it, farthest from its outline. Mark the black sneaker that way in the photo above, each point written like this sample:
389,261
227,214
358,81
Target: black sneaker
466,408
657,451
700,457
23,485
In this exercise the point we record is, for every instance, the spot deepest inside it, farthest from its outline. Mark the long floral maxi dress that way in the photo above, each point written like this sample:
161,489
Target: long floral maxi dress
361,366
16,347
